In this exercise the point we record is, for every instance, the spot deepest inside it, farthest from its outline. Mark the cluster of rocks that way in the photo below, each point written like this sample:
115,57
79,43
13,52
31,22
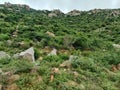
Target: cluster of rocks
74,13
115,13
95,11
55,13
27,54
19,6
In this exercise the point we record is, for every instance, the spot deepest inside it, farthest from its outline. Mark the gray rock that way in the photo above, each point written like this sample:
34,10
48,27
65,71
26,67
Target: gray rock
4,55
27,54
53,52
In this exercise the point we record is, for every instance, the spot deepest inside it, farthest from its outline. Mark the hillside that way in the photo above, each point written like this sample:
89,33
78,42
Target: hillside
79,50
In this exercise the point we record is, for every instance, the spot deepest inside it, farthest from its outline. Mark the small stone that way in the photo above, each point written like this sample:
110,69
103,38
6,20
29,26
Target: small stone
55,70
51,78
53,52
50,34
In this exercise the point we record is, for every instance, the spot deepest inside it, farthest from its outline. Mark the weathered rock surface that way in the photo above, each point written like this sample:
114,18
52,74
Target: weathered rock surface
4,55
74,13
27,54
53,52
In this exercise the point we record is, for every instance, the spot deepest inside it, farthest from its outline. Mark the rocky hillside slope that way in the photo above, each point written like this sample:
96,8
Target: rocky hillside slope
50,50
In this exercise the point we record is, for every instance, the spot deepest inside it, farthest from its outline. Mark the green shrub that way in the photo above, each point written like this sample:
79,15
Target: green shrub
21,66
85,64
53,58
4,37
82,42
37,53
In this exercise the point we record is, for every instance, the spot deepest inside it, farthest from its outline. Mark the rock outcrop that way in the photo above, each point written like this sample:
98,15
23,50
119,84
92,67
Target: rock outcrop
74,13
55,13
